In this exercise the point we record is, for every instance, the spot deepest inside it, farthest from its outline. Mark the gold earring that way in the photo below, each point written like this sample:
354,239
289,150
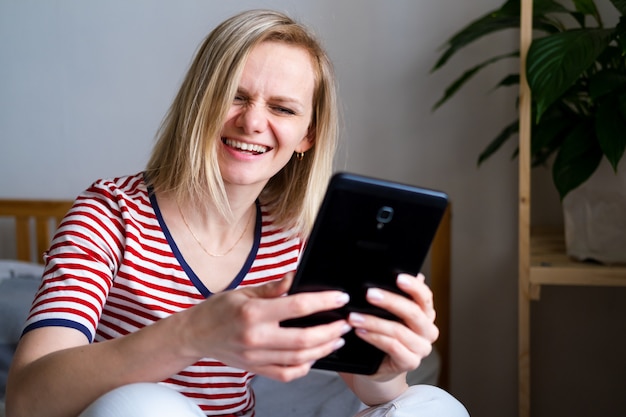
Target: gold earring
299,156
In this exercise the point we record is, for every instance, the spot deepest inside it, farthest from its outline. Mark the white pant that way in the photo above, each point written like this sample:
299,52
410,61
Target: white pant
419,400
154,400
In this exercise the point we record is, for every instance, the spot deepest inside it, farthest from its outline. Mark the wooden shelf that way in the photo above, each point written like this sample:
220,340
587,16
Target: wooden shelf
549,264
542,256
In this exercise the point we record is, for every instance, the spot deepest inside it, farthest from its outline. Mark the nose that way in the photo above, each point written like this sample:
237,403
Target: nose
252,119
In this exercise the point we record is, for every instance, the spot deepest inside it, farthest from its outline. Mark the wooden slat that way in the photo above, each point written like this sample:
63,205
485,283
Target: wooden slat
440,285
525,290
22,238
42,234
33,217
550,264
34,208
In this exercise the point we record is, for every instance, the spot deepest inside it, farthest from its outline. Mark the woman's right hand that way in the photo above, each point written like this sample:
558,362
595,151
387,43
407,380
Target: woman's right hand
241,328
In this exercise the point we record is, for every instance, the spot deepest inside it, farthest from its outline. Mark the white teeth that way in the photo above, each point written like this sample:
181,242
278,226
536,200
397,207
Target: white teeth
247,147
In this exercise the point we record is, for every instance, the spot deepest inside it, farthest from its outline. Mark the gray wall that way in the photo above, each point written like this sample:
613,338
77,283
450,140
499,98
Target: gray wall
84,85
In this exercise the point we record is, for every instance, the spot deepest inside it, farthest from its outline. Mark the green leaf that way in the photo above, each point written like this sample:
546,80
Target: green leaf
547,137
492,22
467,75
588,7
611,128
509,80
620,33
578,158
496,143
620,5
544,7
606,82
506,17
556,62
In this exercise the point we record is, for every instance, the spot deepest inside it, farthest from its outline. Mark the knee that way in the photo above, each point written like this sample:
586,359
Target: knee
431,400
419,400
143,399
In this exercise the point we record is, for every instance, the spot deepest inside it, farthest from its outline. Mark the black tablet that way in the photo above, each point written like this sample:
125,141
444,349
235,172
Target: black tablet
367,231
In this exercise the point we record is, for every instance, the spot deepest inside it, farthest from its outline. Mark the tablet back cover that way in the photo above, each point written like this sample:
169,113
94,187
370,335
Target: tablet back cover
367,231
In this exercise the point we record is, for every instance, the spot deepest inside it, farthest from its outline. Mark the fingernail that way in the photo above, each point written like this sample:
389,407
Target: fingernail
343,299
356,318
403,280
346,328
339,344
374,294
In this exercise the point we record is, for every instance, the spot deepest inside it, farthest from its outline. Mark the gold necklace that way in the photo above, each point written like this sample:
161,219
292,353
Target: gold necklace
215,255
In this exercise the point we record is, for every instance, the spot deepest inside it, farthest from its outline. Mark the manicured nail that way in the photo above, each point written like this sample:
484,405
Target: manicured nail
374,294
343,299
346,328
403,280
339,344
356,318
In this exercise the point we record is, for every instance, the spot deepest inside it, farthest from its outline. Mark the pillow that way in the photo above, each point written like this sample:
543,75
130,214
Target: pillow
10,268
19,282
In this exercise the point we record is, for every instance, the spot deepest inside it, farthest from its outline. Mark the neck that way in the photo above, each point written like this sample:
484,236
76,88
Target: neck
206,226
227,237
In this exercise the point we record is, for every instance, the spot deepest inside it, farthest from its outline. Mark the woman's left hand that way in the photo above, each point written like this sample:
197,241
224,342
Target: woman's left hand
407,341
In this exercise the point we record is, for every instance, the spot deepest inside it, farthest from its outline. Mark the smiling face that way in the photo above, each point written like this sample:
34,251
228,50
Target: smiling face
270,116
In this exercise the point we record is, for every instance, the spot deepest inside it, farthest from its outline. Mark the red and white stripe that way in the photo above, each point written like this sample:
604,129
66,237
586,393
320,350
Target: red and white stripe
110,271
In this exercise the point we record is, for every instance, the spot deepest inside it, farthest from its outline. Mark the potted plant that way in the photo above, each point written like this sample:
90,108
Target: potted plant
576,70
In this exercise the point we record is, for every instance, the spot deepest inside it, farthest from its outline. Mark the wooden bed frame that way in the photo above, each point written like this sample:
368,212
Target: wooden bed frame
35,219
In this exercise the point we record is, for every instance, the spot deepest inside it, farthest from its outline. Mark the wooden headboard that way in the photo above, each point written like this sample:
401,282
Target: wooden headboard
35,219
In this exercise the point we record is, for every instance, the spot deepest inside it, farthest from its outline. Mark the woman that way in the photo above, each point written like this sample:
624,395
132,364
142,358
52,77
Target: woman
180,272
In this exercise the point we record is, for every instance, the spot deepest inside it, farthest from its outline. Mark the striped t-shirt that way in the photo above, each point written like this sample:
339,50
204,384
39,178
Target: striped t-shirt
113,268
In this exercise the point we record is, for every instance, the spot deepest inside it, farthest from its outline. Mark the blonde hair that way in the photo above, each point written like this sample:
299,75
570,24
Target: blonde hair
184,159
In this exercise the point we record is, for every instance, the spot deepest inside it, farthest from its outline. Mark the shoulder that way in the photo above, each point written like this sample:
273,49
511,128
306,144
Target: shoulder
128,187
106,211
116,195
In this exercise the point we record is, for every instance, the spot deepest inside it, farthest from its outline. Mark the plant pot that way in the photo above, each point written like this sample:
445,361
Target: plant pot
595,217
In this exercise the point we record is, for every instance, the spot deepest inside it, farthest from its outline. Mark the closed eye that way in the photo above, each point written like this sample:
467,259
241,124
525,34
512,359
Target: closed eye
283,110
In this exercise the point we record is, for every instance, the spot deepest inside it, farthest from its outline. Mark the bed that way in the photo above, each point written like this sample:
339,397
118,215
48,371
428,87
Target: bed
26,228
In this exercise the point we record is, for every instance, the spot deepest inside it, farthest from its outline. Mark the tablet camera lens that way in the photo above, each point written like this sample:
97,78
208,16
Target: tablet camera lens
385,214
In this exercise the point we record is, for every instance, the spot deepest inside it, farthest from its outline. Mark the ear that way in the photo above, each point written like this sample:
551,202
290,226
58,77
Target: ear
307,142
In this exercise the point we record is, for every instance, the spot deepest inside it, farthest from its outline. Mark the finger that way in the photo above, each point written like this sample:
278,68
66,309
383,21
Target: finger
404,348
294,306
396,332
271,336
416,287
287,350
410,313
321,336
420,292
295,346
282,373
